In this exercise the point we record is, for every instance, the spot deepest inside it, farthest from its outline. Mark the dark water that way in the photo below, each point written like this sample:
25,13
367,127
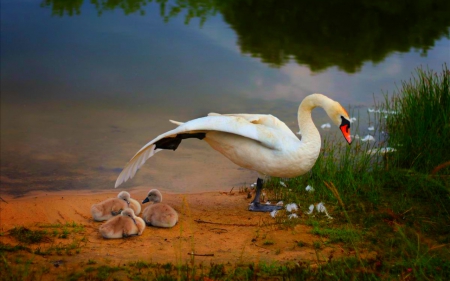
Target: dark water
84,84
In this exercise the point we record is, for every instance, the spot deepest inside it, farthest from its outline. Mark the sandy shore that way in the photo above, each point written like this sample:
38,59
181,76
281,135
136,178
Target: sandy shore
215,225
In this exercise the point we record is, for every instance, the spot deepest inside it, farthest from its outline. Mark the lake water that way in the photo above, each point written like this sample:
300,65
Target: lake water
84,84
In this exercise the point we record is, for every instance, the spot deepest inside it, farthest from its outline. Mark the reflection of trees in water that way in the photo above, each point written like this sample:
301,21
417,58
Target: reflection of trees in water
192,8
63,7
344,33
320,34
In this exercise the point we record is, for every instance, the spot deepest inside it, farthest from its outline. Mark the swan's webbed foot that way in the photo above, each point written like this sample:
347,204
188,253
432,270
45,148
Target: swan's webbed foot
258,207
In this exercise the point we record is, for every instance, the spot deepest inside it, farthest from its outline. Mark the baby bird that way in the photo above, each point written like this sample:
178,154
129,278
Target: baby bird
158,214
127,224
135,205
131,203
111,207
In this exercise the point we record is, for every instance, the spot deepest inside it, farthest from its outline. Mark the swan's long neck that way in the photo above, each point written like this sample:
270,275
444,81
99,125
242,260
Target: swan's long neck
311,141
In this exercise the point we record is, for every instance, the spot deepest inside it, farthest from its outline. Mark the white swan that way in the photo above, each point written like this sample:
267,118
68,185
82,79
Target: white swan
257,142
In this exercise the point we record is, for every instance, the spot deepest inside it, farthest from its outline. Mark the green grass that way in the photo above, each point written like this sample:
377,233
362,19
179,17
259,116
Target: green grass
9,248
25,235
420,131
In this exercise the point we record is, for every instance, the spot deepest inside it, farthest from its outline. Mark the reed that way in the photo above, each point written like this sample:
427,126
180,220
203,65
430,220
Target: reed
420,127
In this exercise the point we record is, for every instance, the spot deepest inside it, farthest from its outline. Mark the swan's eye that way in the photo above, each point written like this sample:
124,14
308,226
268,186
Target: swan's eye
345,122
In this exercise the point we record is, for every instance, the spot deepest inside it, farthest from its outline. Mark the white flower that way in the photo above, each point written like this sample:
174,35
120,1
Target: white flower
325,126
382,150
292,216
283,184
291,207
389,112
311,209
268,203
368,138
273,213
371,128
309,188
353,119
280,203
321,209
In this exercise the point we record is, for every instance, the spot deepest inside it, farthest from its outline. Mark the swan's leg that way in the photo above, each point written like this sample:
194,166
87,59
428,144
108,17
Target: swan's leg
255,205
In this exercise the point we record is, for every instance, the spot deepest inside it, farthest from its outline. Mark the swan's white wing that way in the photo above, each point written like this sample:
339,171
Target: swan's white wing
267,136
267,120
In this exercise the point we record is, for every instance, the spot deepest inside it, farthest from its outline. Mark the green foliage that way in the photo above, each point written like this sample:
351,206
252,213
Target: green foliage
420,131
346,235
8,248
104,271
268,242
26,235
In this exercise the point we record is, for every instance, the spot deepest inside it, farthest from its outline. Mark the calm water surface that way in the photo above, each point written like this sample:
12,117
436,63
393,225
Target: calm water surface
84,84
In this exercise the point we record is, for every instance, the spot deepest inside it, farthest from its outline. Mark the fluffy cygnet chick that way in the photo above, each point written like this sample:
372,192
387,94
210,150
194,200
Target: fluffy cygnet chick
131,203
135,205
158,214
111,207
127,224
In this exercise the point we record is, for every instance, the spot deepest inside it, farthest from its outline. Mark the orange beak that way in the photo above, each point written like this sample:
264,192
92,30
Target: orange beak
345,129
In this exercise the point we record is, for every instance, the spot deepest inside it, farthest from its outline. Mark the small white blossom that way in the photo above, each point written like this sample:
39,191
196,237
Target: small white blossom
291,207
268,203
372,110
321,209
325,126
353,119
280,203
371,128
273,213
309,188
283,184
382,150
311,209
292,216
368,138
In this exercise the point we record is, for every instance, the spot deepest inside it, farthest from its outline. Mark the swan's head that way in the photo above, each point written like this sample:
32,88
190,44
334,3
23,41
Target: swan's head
124,196
340,117
153,196
128,212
